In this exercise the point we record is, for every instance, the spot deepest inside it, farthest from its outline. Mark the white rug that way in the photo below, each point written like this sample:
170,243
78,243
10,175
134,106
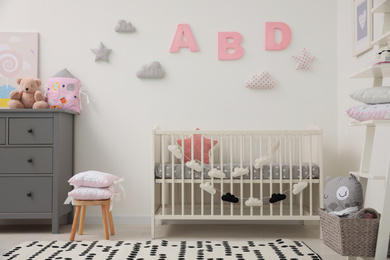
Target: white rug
161,250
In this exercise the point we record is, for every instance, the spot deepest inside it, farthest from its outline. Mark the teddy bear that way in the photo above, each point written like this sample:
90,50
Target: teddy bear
29,96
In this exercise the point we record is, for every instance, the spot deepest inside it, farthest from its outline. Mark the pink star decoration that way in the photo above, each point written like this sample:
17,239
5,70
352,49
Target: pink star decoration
261,80
207,146
304,60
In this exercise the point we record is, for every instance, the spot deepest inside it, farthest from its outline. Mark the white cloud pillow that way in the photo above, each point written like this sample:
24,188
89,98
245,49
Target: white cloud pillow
374,95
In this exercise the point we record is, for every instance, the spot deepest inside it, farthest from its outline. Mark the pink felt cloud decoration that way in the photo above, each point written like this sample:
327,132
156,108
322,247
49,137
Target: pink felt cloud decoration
304,60
260,81
207,146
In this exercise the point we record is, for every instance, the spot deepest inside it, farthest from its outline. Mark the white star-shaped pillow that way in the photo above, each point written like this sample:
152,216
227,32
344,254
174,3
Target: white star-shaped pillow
101,52
304,60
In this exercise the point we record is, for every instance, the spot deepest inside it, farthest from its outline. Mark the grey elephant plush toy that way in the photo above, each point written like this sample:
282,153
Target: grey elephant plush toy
343,196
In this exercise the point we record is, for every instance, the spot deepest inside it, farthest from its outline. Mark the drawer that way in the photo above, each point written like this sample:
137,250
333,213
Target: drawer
25,194
26,160
2,130
30,131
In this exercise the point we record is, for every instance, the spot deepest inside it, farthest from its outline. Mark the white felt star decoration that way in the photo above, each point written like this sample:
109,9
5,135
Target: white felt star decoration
262,80
101,52
304,60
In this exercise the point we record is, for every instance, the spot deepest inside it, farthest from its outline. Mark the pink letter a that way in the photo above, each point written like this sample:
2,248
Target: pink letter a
224,45
183,30
270,44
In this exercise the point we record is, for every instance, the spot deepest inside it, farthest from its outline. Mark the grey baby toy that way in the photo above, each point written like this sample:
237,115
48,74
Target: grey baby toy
343,196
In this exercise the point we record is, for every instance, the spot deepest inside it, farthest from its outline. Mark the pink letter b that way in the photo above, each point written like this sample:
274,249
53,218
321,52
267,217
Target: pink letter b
224,45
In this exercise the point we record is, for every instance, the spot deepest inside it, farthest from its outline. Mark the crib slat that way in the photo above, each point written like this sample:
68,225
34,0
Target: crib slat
173,177
241,183
202,176
280,174
300,175
163,174
182,175
192,176
154,160
271,205
261,176
212,178
251,169
231,170
321,169
291,151
310,174
221,163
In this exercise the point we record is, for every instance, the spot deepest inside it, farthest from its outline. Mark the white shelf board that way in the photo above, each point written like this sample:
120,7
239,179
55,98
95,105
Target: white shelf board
383,40
368,176
375,71
382,8
371,123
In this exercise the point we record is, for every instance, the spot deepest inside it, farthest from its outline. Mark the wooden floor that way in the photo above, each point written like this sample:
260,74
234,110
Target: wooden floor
12,235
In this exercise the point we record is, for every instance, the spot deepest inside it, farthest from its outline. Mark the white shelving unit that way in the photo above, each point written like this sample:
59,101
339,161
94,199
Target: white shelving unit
364,172
377,72
385,38
383,8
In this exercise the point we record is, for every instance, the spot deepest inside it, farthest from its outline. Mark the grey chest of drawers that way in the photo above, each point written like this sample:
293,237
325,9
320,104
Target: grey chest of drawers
36,161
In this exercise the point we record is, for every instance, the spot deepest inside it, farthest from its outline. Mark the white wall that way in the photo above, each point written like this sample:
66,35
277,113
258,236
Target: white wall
351,139
113,133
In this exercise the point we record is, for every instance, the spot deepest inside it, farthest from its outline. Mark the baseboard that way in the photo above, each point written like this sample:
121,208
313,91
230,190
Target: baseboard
230,222
128,220
142,220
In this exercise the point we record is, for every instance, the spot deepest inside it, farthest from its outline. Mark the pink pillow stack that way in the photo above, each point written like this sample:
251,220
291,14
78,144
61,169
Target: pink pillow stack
94,185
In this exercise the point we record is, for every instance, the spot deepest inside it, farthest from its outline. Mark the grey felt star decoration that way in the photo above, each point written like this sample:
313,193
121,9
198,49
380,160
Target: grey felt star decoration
101,52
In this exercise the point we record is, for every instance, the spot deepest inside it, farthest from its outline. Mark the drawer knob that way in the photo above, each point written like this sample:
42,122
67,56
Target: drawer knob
29,194
30,130
29,160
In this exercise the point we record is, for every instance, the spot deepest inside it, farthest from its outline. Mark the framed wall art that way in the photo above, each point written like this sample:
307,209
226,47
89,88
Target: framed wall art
18,59
362,26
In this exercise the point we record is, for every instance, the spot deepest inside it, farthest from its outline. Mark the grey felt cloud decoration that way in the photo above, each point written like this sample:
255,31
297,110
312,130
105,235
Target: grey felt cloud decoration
124,26
101,52
151,71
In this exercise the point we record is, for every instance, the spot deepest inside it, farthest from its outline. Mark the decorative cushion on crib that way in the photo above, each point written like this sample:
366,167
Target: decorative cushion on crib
342,193
370,112
207,146
373,95
88,193
63,91
94,179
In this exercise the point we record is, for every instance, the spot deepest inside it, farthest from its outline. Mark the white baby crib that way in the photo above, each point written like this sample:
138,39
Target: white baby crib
274,162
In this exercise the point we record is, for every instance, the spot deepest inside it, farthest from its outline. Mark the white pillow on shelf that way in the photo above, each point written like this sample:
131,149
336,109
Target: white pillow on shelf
373,95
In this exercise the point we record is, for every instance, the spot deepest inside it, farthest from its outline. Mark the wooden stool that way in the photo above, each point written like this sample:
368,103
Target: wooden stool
82,204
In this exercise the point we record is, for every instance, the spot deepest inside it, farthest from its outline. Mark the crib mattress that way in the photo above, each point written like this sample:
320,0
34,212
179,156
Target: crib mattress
177,171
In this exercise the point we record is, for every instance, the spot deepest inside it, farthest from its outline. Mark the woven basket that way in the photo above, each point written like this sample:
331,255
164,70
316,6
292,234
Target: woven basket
350,236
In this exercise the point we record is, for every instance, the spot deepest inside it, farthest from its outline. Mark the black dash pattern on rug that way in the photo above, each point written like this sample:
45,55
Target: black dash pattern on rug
280,249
